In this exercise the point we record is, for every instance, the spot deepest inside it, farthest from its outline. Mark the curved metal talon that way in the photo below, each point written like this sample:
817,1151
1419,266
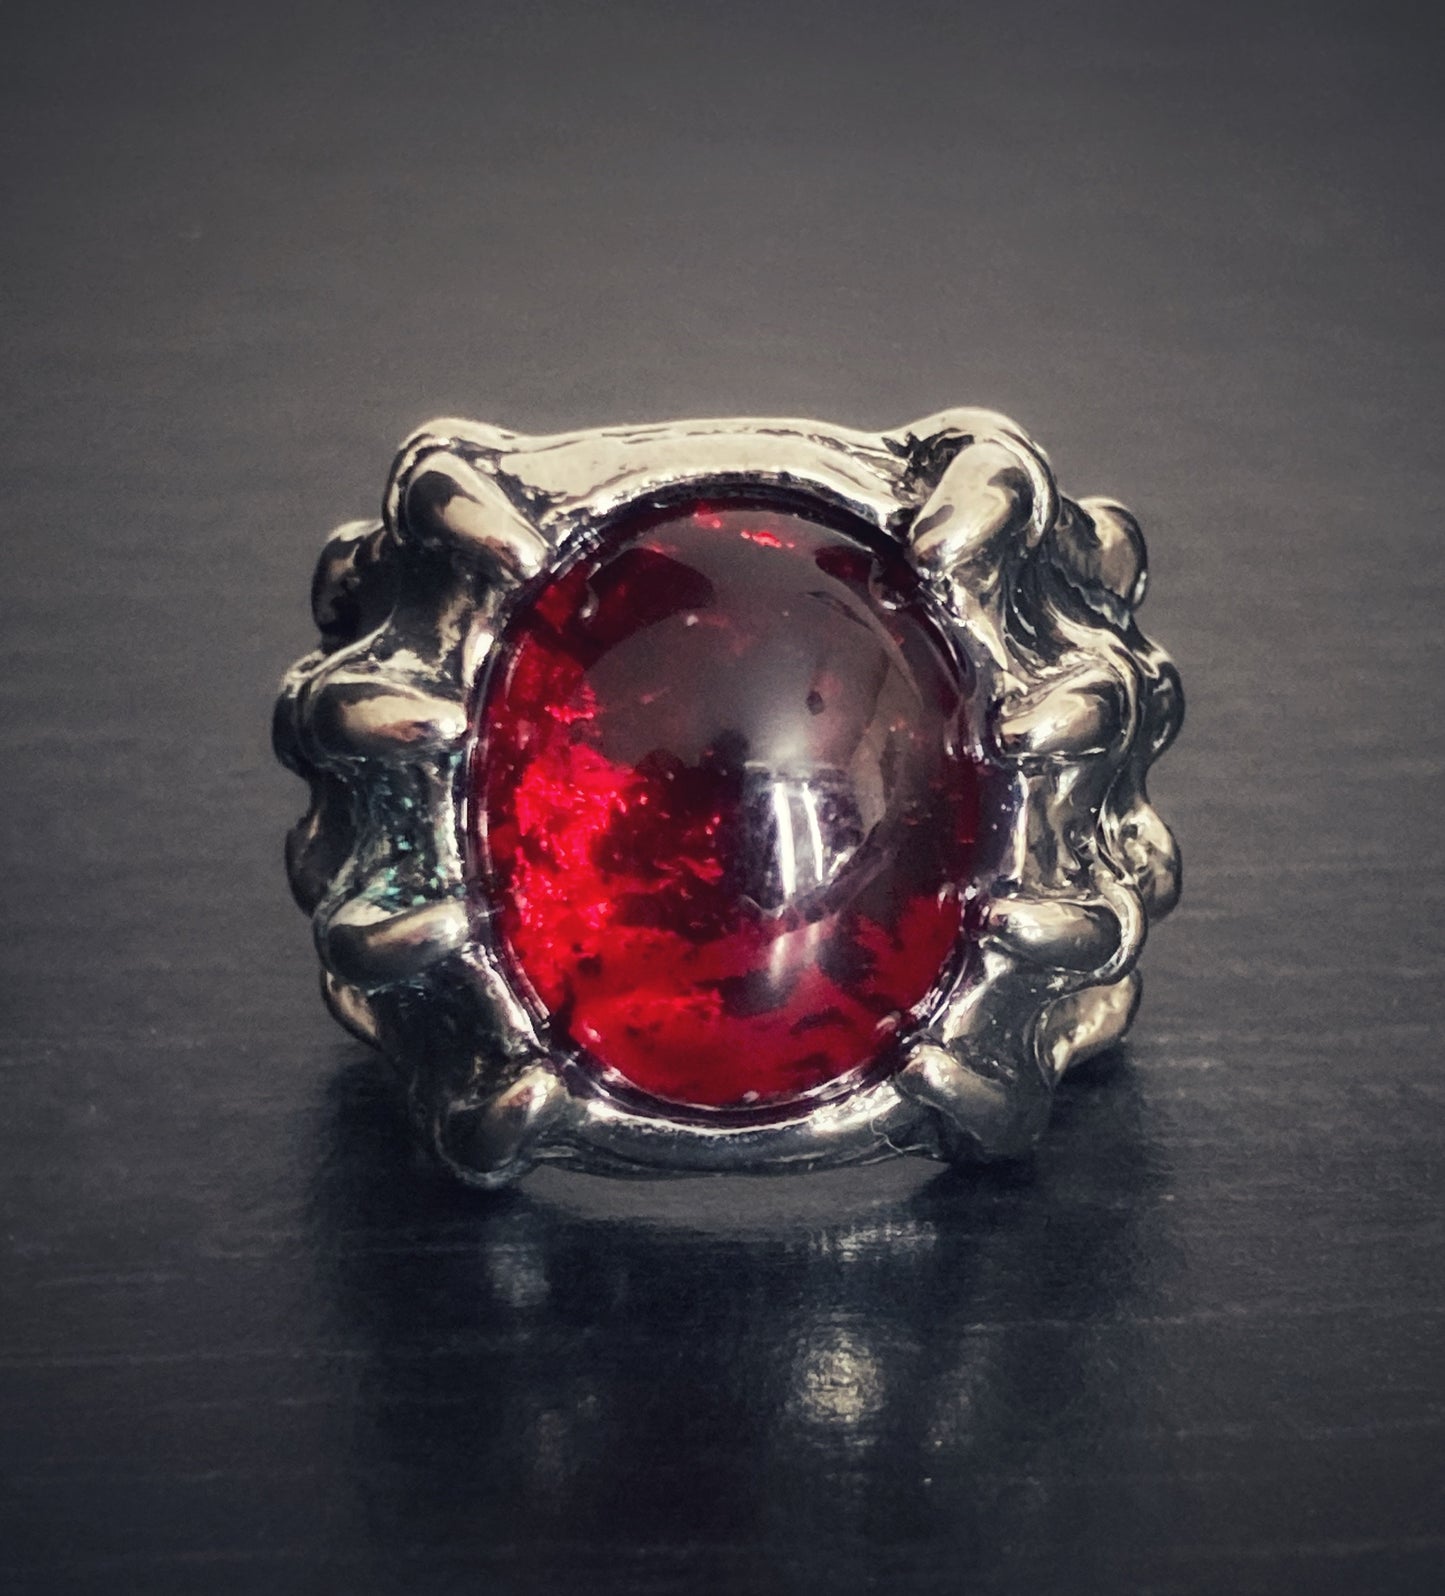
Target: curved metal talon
1102,550
1148,849
490,1140
371,946
285,724
447,434
351,1008
999,449
948,434
984,499
320,843
446,503
1089,1022
1164,711
1059,932
355,715
983,1115
987,511
1075,718
347,567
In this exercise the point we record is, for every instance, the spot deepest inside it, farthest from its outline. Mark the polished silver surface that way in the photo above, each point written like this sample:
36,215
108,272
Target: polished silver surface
1073,703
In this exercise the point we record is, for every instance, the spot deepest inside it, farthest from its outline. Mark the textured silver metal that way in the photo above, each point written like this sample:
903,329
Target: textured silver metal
1073,702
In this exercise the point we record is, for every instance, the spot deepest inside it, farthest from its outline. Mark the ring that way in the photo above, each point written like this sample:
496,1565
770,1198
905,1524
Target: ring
730,795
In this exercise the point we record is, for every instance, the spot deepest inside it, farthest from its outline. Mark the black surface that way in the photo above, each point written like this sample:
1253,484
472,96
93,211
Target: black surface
248,1345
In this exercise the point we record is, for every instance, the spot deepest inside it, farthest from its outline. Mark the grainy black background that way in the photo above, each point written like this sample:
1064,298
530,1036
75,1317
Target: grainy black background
247,1343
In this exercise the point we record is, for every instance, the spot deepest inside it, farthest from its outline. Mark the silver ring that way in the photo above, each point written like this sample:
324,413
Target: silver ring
740,795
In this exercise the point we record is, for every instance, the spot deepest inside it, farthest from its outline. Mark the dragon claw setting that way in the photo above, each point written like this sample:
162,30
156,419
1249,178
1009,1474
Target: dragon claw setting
730,795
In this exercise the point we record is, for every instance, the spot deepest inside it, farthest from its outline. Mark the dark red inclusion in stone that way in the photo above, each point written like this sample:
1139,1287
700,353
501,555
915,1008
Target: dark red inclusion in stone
722,804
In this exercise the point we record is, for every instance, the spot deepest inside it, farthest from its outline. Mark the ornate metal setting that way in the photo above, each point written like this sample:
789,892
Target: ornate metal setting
1072,701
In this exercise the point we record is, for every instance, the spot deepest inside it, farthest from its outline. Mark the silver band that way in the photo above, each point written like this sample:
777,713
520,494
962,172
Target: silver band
1074,703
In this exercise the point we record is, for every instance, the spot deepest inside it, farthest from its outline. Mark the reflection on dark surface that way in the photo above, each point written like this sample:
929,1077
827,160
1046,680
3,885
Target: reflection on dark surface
705,1381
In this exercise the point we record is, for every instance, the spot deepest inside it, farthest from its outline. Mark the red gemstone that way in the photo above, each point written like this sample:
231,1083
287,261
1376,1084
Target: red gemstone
722,802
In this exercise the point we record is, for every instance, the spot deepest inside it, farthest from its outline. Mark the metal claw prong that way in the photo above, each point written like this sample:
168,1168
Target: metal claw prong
997,488
351,1008
1061,933
355,714
448,503
1164,709
345,569
1084,1024
369,945
490,1140
1151,854
986,1115
319,844
1074,718
1107,551
983,500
